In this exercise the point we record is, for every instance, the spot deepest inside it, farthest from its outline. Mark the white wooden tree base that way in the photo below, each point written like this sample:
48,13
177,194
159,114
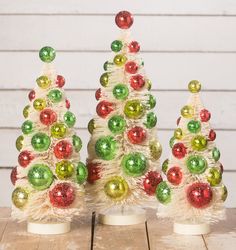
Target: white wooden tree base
122,217
48,228
191,229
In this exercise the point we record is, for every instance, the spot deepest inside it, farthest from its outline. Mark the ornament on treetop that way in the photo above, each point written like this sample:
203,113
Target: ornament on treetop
194,86
124,19
47,54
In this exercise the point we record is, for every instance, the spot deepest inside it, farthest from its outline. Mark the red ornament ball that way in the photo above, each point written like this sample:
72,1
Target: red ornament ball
93,172
124,19
205,115
104,108
48,117
24,158
62,195
174,175
98,94
178,121
179,150
199,195
60,81
151,181
221,168
134,47
131,67
63,150
212,135
31,95
14,176
137,135
67,104
137,82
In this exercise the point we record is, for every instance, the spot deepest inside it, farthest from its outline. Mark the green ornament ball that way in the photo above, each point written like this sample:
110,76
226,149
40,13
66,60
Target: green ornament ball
58,130
120,91
81,173
151,103
224,193
194,126
19,142
106,147
27,127
134,164
47,54
55,95
64,169
214,176
164,166
91,126
77,143
116,46
40,142
134,109
216,154
172,142
196,164
69,119
20,197
105,65
40,176
26,111
151,120
104,79
117,124
199,143
163,193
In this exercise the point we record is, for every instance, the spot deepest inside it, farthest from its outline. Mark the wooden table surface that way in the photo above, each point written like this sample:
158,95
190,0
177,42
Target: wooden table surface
13,236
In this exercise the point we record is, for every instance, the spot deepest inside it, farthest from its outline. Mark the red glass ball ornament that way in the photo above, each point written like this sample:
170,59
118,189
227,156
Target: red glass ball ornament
31,95
93,172
199,195
137,82
151,181
62,195
104,108
98,94
178,121
60,81
63,150
124,19
174,175
48,117
221,168
14,176
212,135
134,47
205,115
137,135
67,104
24,158
131,67
179,150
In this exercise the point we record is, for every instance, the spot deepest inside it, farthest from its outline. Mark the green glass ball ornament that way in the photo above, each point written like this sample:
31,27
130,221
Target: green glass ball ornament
64,169
151,103
43,82
106,147
216,154
172,142
148,84
116,46
196,164
224,192
194,126
199,143
104,79
134,109
194,86
163,193
91,126
77,143
40,176
120,60
20,197
178,134
105,65
69,119
120,91
26,111
47,54
58,130
55,95
134,164
151,120
214,176
27,127
164,166
39,104
187,111
155,149
117,124
19,142
40,142
81,173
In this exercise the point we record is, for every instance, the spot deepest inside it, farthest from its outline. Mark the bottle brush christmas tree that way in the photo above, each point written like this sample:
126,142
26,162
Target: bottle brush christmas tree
193,194
49,178
123,150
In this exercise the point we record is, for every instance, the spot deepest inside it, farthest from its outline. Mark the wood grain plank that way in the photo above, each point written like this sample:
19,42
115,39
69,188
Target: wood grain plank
106,7
199,33
166,70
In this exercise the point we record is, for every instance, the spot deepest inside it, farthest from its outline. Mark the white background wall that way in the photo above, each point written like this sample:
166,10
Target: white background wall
180,41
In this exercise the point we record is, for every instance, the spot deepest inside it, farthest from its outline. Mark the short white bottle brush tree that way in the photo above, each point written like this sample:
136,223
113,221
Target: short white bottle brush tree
49,178
193,194
124,152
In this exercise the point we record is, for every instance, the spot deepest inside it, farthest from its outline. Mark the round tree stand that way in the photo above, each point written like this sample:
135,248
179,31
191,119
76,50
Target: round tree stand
188,228
122,216
48,228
